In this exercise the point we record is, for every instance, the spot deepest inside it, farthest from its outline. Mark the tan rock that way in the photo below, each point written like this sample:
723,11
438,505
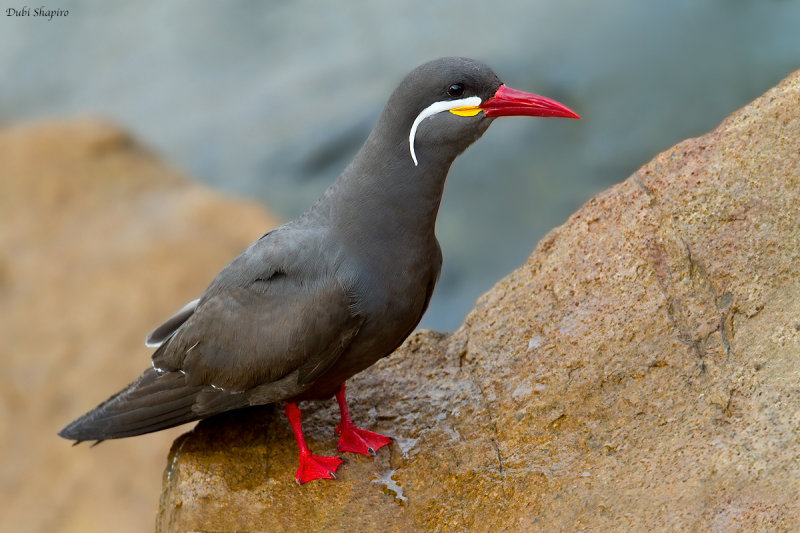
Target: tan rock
639,372
99,242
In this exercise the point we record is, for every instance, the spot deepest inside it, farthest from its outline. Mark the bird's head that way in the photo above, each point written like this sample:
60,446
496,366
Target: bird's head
444,105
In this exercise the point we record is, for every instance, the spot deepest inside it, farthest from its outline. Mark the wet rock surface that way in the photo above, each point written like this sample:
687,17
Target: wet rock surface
640,371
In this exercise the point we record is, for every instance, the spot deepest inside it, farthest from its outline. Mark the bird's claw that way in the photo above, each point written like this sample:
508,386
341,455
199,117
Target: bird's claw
359,440
316,467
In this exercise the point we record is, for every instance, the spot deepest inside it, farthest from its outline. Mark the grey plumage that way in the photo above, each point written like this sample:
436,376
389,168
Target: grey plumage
324,296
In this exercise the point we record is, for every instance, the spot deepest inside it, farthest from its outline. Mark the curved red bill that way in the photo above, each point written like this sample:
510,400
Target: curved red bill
508,102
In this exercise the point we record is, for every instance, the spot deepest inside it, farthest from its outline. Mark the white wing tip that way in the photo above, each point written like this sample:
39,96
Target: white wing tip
152,344
158,337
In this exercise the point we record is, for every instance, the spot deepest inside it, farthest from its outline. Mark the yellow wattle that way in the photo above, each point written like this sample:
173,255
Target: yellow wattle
466,111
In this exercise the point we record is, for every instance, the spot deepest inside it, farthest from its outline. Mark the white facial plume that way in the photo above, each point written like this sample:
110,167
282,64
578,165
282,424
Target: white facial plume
437,107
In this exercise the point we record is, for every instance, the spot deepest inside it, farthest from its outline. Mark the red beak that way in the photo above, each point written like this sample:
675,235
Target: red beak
508,102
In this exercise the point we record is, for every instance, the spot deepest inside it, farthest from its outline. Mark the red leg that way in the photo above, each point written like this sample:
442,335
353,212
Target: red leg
355,439
311,466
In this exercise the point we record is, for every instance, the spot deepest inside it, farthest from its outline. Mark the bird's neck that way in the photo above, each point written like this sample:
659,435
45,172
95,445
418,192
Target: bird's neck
383,194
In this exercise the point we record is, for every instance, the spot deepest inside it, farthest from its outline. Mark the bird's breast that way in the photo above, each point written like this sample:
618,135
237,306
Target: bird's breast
395,285
391,292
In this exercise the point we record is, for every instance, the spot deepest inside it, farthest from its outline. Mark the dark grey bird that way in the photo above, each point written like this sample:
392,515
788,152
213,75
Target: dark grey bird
323,297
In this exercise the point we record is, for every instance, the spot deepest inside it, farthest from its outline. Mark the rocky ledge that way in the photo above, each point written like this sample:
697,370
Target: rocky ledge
641,371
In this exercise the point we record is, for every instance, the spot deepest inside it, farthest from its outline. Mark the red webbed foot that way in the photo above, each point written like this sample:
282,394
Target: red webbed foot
311,466
359,440
316,467
355,439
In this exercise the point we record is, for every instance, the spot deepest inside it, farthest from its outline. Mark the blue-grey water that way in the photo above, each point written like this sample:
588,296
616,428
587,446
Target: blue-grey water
271,99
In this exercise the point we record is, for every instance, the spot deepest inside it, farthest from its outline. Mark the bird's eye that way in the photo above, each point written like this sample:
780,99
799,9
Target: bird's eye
455,90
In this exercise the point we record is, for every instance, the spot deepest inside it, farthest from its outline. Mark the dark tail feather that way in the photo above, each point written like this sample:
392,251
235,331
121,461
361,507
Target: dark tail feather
151,403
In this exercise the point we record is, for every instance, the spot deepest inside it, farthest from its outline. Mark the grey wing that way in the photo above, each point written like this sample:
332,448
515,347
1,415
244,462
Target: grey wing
239,339
264,318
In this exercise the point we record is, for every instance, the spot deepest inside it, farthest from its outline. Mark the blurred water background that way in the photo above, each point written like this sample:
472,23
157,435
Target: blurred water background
271,99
